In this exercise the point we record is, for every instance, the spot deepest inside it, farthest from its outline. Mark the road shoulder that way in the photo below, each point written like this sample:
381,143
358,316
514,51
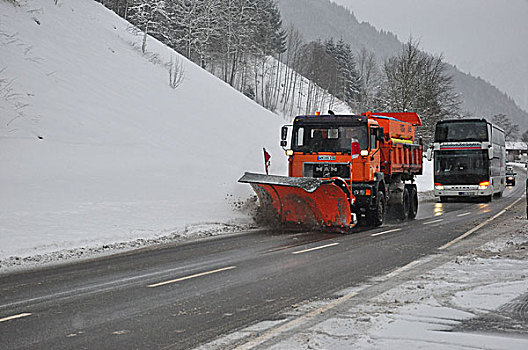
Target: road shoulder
473,294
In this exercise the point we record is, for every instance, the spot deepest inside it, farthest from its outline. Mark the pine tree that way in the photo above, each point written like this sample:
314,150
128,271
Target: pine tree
151,17
346,86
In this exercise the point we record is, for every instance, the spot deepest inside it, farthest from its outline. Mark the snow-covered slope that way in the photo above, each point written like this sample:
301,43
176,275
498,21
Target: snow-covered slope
96,147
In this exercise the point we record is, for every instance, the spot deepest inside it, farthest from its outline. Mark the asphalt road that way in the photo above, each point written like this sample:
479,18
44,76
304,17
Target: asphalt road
181,296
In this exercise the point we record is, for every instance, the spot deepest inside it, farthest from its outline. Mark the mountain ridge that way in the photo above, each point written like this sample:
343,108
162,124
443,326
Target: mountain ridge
479,97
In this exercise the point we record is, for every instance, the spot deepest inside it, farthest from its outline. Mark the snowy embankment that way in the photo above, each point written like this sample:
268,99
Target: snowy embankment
97,149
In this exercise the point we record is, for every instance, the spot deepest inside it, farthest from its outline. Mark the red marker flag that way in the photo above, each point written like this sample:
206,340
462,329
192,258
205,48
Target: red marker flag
356,149
267,158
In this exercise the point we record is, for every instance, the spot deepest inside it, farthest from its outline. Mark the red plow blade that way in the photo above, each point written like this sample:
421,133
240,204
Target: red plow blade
302,201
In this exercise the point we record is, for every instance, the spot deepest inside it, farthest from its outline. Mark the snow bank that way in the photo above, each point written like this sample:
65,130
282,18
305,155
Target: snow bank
98,152
97,149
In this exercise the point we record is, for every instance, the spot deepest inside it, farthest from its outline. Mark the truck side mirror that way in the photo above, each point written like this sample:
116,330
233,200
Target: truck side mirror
429,153
284,136
284,133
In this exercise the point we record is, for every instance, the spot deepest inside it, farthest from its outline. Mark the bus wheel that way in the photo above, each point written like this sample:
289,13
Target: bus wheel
443,199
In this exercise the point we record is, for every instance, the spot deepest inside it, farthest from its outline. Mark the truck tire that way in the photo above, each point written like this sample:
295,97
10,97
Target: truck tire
402,209
413,202
377,216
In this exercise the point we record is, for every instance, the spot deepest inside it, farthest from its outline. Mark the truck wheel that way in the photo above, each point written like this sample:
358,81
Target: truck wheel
413,202
402,210
376,217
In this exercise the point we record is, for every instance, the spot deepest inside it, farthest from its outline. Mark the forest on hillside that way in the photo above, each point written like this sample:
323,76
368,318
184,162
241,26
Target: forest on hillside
245,43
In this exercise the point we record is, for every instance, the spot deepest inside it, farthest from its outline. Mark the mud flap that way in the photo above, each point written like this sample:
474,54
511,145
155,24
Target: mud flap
305,202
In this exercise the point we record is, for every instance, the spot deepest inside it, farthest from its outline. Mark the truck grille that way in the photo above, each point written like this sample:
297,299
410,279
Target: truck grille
323,170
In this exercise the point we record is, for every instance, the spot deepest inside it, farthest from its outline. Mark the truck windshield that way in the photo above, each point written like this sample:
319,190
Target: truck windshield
324,138
455,131
461,167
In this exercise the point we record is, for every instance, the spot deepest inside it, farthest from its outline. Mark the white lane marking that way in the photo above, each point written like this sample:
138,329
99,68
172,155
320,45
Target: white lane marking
191,276
14,317
403,268
315,248
464,214
433,222
384,232
461,237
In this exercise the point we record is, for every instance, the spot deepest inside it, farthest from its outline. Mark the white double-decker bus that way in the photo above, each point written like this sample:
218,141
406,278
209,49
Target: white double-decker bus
469,159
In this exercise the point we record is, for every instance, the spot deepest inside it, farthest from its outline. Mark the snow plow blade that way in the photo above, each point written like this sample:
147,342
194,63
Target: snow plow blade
303,202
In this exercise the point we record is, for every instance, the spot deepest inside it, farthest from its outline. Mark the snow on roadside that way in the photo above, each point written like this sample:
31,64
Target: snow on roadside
98,151
432,311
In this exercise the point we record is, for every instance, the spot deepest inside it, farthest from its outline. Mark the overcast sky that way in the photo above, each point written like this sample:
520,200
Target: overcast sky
488,38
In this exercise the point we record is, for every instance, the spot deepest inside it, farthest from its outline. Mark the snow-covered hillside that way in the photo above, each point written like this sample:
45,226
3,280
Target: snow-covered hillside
96,147
99,152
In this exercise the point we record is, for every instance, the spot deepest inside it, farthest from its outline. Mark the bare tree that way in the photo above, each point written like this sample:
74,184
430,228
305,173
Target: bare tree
176,72
511,130
524,137
369,78
416,81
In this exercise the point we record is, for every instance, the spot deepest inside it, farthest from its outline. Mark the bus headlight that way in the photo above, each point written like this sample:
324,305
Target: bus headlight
438,186
483,185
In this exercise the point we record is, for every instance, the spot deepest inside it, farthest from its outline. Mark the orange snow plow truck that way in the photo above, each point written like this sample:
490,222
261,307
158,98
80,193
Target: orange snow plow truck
344,168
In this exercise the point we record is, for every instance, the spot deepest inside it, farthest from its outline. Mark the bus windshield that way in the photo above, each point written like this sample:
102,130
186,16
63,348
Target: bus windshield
325,138
461,167
461,131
